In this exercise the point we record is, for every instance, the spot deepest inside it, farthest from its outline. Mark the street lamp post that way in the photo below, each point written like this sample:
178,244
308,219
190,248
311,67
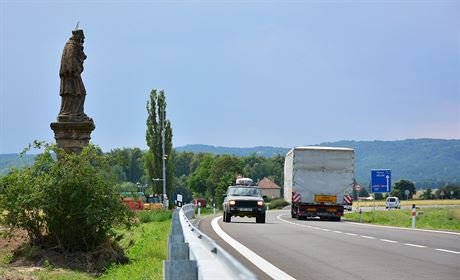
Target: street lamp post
164,156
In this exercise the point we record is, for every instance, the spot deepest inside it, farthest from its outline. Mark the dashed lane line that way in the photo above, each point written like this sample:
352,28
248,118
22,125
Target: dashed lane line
448,251
415,245
370,237
402,228
389,241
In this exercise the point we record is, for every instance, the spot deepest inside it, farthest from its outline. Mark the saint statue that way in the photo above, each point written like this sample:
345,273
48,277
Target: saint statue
72,90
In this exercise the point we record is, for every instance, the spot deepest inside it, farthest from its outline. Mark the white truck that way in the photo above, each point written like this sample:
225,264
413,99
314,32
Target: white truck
316,179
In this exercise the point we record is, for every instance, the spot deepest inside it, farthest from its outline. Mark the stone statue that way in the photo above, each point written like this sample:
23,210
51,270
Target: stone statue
73,128
72,89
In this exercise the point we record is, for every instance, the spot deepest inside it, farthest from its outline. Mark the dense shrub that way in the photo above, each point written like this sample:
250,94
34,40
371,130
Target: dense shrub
70,203
278,203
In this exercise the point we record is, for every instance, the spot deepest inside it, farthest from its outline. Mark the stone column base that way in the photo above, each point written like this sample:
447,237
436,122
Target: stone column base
72,136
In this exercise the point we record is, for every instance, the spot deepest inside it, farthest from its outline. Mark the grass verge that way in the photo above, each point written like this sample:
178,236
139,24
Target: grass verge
206,211
146,255
144,244
428,218
278,204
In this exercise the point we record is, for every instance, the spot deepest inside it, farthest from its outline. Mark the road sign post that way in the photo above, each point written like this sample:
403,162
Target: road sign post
380,180
357,189
179,200
407,192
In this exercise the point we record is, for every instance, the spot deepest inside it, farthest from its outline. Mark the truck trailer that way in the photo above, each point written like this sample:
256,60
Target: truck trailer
316,179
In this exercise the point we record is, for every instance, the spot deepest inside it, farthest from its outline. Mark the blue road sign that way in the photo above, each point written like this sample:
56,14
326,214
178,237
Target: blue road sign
380,180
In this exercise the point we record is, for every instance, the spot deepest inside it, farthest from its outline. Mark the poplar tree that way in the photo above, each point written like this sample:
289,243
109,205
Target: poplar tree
153,161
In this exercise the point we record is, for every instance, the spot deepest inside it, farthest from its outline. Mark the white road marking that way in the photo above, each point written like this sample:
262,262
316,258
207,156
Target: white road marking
368,237
415,245
389,241
258,261
448,251
402,228
384,240
325,229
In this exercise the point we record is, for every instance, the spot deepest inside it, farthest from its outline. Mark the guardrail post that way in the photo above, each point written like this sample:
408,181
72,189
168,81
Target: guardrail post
414,214
178,265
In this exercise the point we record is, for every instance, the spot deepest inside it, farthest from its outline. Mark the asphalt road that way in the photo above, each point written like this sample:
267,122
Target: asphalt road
311,249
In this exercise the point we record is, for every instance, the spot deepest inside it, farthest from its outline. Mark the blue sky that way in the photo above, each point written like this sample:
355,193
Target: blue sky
237,73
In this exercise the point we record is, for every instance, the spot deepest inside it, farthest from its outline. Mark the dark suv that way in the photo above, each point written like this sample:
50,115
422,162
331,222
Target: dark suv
244,201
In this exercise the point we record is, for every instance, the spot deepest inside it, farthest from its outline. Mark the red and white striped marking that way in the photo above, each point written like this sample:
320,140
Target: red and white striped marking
348,199
295,197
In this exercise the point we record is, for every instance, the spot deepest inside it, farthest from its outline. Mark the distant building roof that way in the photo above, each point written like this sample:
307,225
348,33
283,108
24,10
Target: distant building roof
266,183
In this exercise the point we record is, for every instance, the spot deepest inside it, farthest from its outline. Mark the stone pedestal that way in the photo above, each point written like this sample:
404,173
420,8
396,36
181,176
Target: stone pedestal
72,136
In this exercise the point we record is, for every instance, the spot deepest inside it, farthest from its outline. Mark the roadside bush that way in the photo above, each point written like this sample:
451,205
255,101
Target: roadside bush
278,203
70,204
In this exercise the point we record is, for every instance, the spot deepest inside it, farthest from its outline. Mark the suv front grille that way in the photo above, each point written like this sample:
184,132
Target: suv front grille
245,203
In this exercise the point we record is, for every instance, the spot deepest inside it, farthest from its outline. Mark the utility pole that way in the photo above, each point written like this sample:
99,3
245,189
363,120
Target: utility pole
165,203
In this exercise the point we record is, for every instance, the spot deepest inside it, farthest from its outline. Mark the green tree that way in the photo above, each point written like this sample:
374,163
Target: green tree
182,163
427,194
447,189
153,158
222,174
127,163
70,204
196,161
198,180
257,167
401,186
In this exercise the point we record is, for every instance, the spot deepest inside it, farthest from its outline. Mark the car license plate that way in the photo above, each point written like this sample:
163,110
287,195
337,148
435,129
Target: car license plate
245,209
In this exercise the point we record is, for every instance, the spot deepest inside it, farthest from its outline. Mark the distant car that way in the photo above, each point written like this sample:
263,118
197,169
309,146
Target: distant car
392,202
244,201
347,207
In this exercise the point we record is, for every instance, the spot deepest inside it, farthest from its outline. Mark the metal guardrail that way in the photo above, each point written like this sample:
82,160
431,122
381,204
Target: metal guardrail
193,255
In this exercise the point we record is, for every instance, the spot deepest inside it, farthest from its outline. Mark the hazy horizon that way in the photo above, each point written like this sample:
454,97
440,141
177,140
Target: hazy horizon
34,152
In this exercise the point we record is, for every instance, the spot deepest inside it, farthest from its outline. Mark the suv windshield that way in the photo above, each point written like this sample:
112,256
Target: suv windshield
244,191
